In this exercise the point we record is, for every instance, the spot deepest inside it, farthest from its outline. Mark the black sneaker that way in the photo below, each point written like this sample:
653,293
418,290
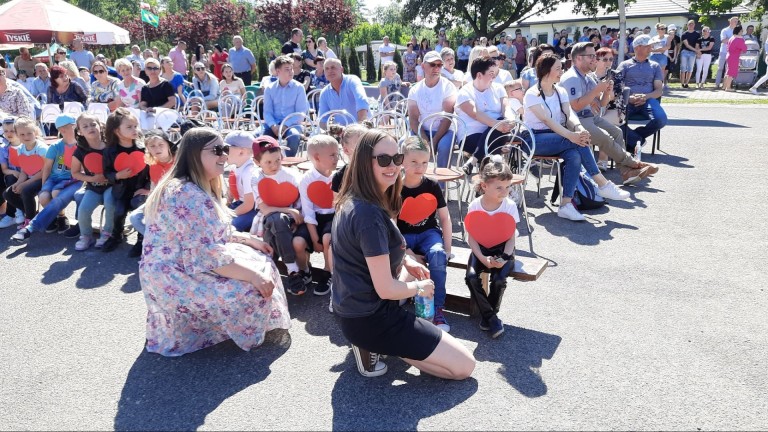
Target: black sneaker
72,232
62,224
497,327
21,236
136,250
306,276
111,244
468,167
324,287
295,284
52,227
484,324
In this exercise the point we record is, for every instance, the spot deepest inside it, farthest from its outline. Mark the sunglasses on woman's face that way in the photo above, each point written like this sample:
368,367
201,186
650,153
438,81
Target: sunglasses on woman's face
219,150
152,68
199,69
384,160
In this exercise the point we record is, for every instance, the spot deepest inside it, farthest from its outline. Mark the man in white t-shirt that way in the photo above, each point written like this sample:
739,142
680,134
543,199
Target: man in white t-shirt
386,53
432,95
725,36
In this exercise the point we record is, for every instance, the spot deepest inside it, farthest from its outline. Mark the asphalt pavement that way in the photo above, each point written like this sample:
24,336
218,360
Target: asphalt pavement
652,315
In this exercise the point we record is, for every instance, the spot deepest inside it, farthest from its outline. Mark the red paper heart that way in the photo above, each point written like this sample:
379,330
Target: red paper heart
133,160
233,186
276,194
416,209
68,152
156,172
490,230
320,194
30,164
13,157
94,163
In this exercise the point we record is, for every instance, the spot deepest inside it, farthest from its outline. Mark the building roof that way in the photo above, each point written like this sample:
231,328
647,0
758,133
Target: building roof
637,9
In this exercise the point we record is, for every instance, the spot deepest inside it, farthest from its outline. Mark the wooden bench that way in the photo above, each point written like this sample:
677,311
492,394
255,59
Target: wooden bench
459,299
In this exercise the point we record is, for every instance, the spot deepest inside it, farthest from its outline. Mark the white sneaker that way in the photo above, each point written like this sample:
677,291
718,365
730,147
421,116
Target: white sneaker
102,239
611,192
7,221
84,243
568,211
19,217
330,304
753,90
602,165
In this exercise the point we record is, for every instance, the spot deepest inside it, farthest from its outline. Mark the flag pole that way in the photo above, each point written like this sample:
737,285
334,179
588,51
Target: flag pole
144,33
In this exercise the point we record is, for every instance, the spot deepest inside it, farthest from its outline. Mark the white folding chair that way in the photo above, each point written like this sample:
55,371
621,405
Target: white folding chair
313,99
230,107
100,110
48,116
390,101
328,118
165,118
392,122
291,119
73,108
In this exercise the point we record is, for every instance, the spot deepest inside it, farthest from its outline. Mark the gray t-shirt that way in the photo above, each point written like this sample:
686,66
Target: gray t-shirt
577,85
639,76
360,230
82,58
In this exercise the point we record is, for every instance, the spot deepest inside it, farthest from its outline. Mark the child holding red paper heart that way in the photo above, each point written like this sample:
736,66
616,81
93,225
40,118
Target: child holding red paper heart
87,166
8,154
58,185
276,194
317,204
497,255
425,222
22,193
125,169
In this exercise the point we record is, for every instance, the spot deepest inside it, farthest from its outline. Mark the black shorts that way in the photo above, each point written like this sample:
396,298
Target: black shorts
324,225
392,330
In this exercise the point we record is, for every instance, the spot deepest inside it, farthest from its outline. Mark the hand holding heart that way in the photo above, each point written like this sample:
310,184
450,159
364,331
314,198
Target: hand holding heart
129,164
490,230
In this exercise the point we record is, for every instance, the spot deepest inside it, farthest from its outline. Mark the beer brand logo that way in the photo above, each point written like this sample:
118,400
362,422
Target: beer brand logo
86,38
17,37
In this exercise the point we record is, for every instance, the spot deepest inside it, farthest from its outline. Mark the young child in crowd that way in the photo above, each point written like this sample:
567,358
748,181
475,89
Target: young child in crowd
350,137
499,260
279,220
160,154
24,80
425,222
122,133
11,215
317,207
241,155
59,187
87,167
21,194
515,95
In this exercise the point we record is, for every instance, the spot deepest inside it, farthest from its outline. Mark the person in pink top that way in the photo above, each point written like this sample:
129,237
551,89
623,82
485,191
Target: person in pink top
736,47
179,57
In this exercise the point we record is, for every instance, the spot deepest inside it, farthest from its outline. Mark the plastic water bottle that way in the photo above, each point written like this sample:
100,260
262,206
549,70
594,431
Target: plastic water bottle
425,307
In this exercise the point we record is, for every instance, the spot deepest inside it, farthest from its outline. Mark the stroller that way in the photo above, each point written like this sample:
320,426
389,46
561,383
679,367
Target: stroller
748,62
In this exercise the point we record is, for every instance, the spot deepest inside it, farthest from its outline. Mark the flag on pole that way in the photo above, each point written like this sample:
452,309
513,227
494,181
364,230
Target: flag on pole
150,18
144,5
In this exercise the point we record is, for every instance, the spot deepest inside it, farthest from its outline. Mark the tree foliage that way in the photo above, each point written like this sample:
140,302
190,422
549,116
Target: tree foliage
707,7
328,17
398,59
354,63
370,64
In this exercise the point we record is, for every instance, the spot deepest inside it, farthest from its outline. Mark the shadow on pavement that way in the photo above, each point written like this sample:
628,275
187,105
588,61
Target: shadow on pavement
703,123
163,393
666,159
378,403
588,233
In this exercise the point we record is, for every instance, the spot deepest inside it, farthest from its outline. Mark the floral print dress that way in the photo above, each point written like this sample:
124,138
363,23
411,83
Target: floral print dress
189,307
409,69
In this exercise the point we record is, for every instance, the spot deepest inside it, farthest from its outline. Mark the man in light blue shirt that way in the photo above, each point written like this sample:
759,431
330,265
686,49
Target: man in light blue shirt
242,60
81,56
42,81
281,99
345,92
462,55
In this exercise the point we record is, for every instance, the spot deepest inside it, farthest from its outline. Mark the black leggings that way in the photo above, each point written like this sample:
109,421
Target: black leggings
488,304
24,200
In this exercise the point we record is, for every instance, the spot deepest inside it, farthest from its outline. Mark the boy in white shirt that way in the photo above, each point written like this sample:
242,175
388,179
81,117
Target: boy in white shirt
241,155
317,203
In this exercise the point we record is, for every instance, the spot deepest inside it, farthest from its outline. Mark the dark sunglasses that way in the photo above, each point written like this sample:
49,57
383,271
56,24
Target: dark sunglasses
100,71
199,68
152,68
495,58
385,160
219,150
60,52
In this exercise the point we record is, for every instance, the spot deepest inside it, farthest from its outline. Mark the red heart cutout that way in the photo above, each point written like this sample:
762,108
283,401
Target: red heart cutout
68,152
156,172
233,186
320,194
31,164
94,163
489,230
13,157
133,160
416,209
276,194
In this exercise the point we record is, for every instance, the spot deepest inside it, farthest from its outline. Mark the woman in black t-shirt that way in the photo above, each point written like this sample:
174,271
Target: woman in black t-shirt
158,92
703,56
371,271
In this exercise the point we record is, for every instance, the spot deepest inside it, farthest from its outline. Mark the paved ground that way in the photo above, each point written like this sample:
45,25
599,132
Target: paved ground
651,317
740,94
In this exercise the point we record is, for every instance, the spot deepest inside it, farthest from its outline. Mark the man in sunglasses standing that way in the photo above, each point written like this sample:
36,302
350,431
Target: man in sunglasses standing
81,56
587,96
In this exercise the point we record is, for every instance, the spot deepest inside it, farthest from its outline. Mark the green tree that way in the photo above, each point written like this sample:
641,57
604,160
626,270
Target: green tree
399,61
344,59
709,7
370,65
354,62
263,65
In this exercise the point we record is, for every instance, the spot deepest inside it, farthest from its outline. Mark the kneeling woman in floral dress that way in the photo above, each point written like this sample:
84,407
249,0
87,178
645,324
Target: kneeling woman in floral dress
203,282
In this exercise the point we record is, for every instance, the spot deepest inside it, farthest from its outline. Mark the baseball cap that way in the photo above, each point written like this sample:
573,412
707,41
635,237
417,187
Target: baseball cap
432,56
64,119
672,27
641,40
264,143
240,139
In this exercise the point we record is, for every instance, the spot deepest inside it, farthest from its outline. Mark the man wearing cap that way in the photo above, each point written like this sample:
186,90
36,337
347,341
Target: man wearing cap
241,155
431,95
81,56
645,81
725,37
281,99
587,96
344,92
462,55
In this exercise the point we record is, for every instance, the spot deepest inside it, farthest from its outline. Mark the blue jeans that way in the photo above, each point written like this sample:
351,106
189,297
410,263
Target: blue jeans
444,147
687,60
90,201
137,219
430,244
54,207
574,156
292,137
243,222
658,119
661,59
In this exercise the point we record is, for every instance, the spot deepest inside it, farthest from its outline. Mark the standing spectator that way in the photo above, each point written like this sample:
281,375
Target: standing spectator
242,60
462,54
520,57
42,81
584,34
199,56
736,47
423,47
510,52
386,53
309,54
179,58
218,58
661,43
81,56
703,56
24,62
764,78
562,44
688,53
749,35
344,92
136,55
155,53
725,37
645,81
409,63
673,54
292,45
283,98
322,46
647,30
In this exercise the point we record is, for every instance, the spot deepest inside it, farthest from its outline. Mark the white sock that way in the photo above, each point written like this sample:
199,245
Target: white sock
292,267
